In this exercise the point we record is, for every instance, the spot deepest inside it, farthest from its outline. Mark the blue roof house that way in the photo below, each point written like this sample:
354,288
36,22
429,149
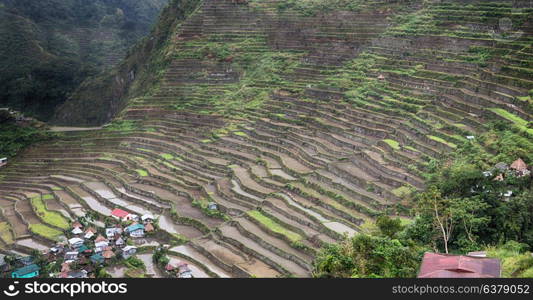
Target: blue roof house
135,230
29,271
97,258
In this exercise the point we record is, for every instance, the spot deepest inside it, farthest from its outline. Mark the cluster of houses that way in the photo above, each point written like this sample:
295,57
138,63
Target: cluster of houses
25,267
518,169
88,247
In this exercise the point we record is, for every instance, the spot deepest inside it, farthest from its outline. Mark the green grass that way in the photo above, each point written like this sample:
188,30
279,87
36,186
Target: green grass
14,138
240,133
141,172
519,122
167,156
6,235
402,191
48,197
411,148
441,140
49,217
394,144
274,226
509,116
45,231
123,125
514,264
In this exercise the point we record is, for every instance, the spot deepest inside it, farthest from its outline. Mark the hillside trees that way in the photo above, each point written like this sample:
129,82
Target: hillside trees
456,219
14,137
381,253
462,210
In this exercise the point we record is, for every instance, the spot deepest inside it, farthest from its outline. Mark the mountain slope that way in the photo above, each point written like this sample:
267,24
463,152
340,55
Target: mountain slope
300,124
49,47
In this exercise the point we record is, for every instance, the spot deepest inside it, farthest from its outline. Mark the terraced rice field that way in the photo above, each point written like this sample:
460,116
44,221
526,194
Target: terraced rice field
282,120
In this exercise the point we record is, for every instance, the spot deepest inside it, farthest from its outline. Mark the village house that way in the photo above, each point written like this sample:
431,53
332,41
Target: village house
89,233
101,244
25,260
71,256
108,254
147,218
77,231
520,168
83,249
75,242
184,271
498,178
97,258
120,241
149,227
128,251
100,238
77,225
29,271
435,265
3,161
478,254
507,195
121,215
501,166
77,274
169,267
112,232
57,249
212,206
135,230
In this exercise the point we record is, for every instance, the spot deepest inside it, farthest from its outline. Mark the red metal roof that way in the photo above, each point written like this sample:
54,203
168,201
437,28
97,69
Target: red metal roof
436,265
117,212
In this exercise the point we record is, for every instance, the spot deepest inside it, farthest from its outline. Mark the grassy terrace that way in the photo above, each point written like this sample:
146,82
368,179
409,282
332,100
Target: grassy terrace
394,144
49,217
522,124
274,226
6,233
45,231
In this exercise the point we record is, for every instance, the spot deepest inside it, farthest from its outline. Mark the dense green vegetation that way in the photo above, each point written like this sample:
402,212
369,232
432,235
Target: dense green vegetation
50,217
100,98
462,210
16,137
516,260
382,251
474,205
47,48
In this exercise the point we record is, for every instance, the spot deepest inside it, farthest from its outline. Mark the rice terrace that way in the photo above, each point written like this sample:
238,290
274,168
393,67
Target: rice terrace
270,138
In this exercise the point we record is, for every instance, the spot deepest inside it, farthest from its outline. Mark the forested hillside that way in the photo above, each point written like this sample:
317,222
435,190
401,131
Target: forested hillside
48,47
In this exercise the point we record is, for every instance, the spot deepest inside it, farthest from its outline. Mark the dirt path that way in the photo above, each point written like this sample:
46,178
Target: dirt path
69,129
